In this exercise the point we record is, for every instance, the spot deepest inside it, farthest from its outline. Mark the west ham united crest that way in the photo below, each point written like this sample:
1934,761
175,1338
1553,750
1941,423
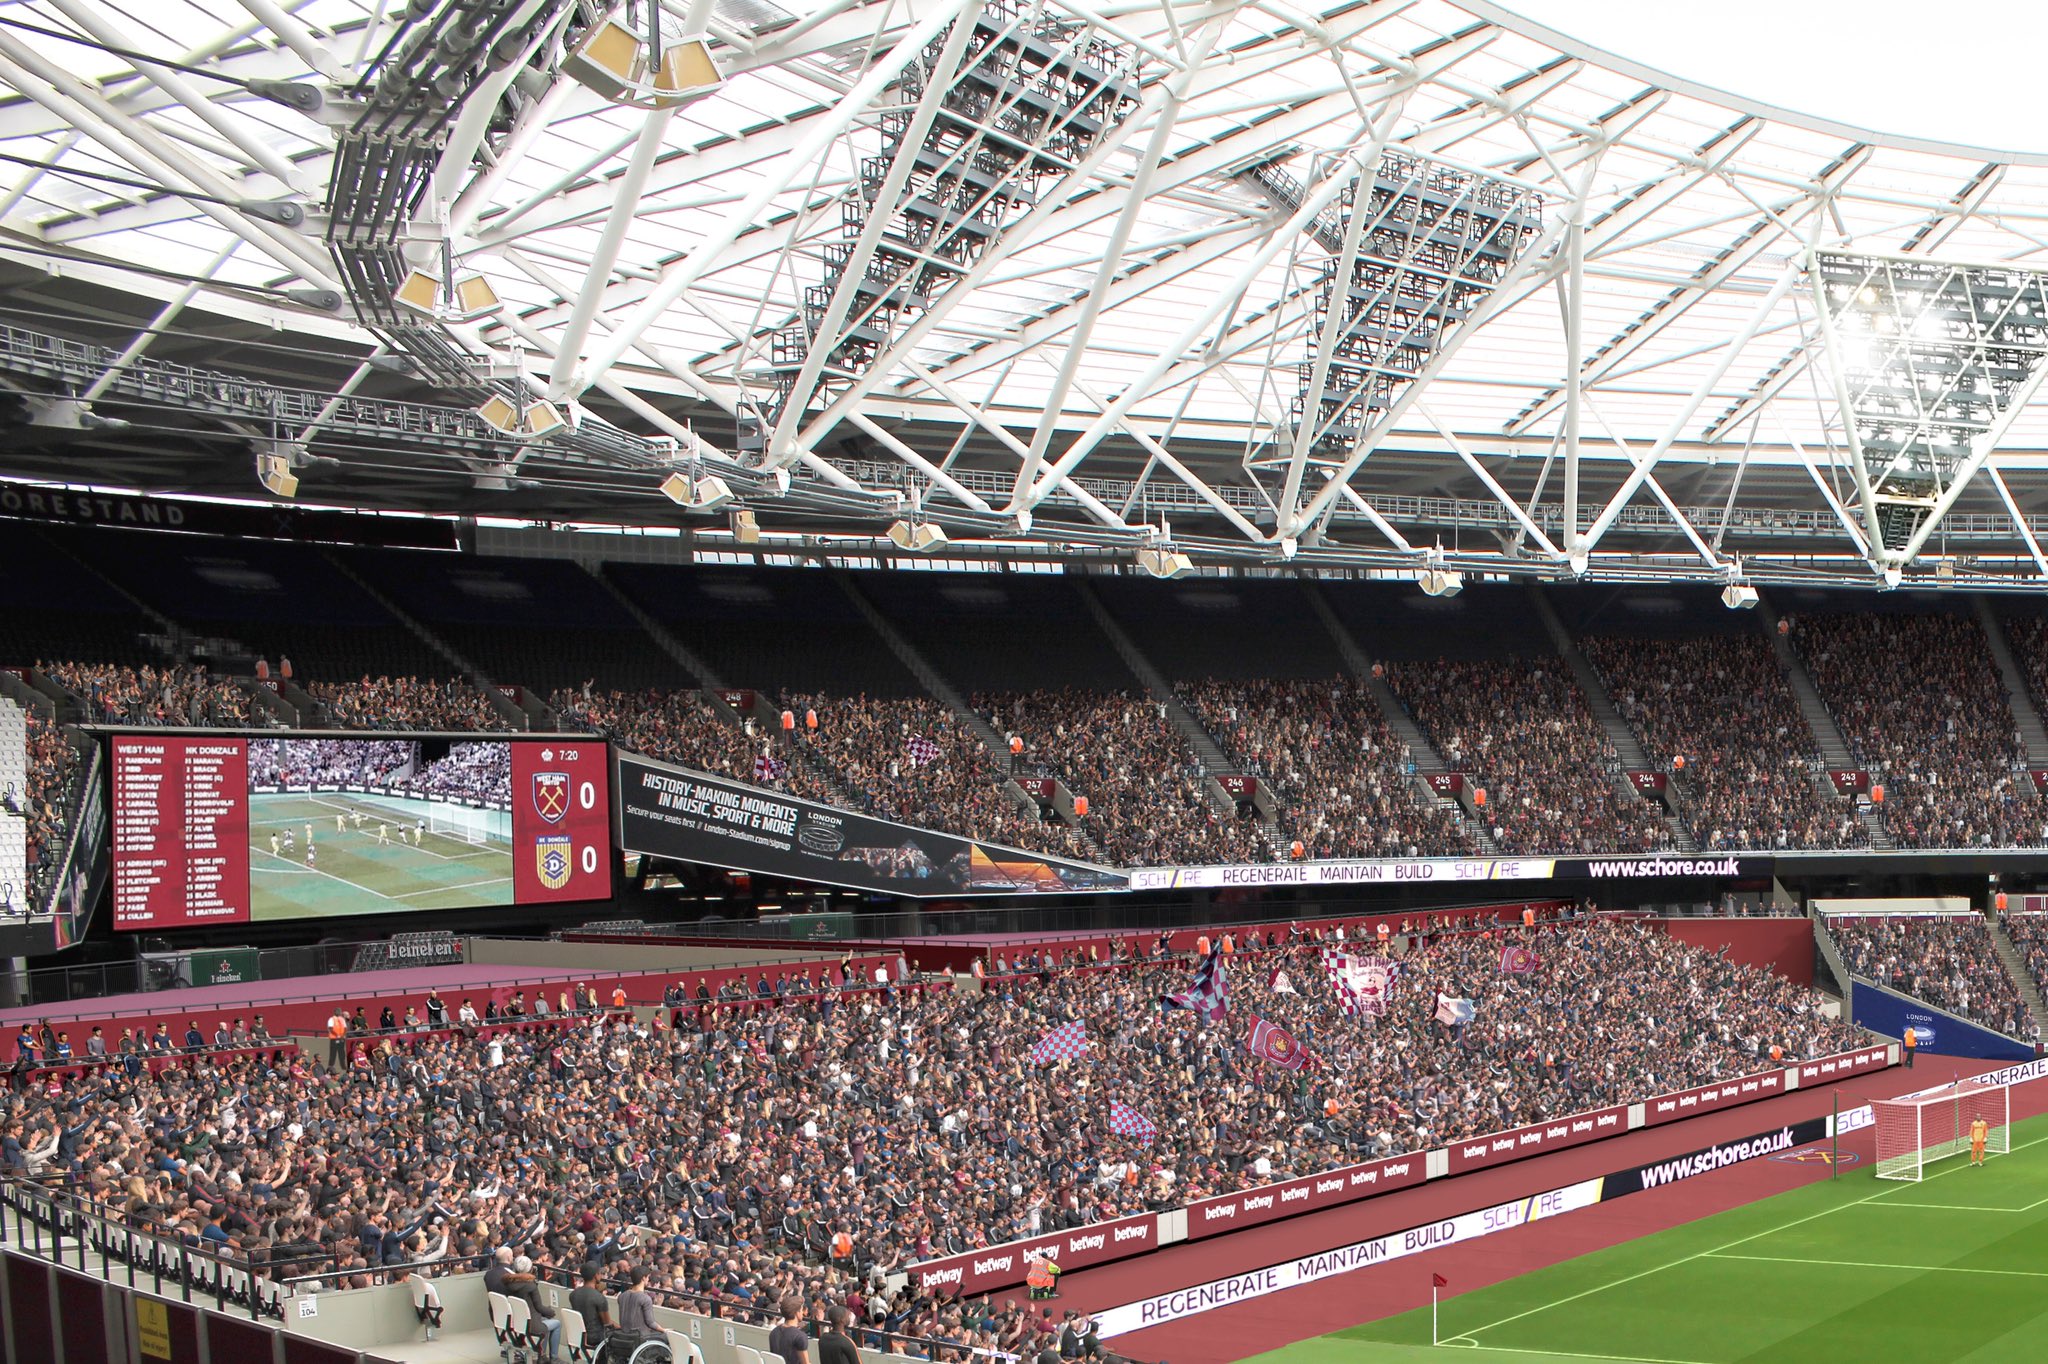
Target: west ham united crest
553,857
551,795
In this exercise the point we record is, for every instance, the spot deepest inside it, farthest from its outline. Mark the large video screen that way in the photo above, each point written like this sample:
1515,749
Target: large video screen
228,829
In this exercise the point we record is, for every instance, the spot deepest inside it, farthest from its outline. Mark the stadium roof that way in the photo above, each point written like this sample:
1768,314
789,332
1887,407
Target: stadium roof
1119,363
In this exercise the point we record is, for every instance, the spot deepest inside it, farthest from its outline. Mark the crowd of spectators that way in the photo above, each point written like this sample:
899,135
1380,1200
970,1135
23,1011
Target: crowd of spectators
473,772
1919,701
113,693
672,726
1521,729
911,760
1345,786
328,762
53,771
1717,716
728,1151
406,703
2029,935
1947,961
1147,802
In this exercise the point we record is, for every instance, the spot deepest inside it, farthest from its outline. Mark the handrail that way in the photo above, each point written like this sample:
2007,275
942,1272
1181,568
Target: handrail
164,1255
327,990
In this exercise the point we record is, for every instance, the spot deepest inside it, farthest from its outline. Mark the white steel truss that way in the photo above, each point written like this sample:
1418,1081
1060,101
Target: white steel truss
1681,370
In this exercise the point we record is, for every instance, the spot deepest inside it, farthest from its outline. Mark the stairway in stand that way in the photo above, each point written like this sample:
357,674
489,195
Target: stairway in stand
1619,735
2016,967
1827,735
1428,762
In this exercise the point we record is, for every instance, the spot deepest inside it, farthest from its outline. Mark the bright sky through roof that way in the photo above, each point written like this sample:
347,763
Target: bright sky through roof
1963,71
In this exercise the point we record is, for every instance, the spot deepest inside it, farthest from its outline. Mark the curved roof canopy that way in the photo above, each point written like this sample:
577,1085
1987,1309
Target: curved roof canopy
748,280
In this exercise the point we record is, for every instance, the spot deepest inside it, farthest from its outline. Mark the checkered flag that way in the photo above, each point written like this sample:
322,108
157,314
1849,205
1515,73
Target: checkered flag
767,768
921,750
1127,1121
1063,1043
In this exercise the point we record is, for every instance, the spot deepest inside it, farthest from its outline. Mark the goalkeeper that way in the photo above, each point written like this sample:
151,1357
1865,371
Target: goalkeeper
1980,1133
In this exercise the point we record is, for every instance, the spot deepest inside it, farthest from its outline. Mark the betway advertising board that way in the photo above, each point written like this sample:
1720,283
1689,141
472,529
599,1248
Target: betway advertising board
981,1271
1500,1147
1688,1103
1269,1202
1828,1068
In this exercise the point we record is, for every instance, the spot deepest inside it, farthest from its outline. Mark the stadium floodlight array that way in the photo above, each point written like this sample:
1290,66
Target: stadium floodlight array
1916,1130
1432,243
1022,97
1931,362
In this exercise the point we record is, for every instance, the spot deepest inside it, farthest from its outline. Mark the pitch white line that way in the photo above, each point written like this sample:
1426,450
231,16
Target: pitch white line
1714,1250
1566,1354
464,885
1873,1264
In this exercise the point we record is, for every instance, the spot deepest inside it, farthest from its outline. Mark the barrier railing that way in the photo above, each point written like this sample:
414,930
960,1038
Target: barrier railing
40,1216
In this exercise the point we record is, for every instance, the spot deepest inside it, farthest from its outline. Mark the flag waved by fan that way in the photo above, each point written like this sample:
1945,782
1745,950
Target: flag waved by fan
1452,1011
1516,960
1063,1043
767,768
1276,1046
1280,984
1127,1121
1206,995
1361,983
921,750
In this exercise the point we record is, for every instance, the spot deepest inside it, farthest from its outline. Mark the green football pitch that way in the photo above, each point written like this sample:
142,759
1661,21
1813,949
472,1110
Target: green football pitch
355,873
1854,1269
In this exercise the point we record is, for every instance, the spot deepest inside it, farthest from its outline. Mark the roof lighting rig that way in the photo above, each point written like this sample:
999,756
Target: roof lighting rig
1003,102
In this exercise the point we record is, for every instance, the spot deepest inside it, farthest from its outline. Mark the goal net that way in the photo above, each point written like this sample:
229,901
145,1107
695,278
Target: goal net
1918,1129
461,822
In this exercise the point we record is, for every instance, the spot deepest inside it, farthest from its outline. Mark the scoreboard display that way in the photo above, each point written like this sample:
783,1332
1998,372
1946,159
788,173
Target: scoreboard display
231,829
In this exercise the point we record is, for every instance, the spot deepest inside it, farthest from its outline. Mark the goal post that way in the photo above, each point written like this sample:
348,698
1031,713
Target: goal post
462,822
1916,1130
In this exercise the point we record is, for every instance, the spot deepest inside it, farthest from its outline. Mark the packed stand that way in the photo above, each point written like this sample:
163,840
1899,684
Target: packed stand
675,727
53,775
1716,714
115,694
472,773
911,760
1919,701
1144,785
1950,963
1521,729
912,1124
406,703
328,762
2029,934
1345,785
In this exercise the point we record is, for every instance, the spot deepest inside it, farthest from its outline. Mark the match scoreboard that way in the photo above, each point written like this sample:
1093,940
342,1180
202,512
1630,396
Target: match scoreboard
230,829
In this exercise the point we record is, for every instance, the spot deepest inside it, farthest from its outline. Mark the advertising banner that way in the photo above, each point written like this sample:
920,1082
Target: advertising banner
672,812
1687,1103
1826,1068
1534,1140
1451,870
980,1271
1936,1033
1778,1141
1188,1302
1269,1202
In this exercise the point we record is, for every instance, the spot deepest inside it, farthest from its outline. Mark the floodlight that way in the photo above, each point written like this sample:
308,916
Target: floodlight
919,537
686,73
274,472
745,529
1165,562
529,422
1440,582
470,297
706,494
1739,597
611,60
